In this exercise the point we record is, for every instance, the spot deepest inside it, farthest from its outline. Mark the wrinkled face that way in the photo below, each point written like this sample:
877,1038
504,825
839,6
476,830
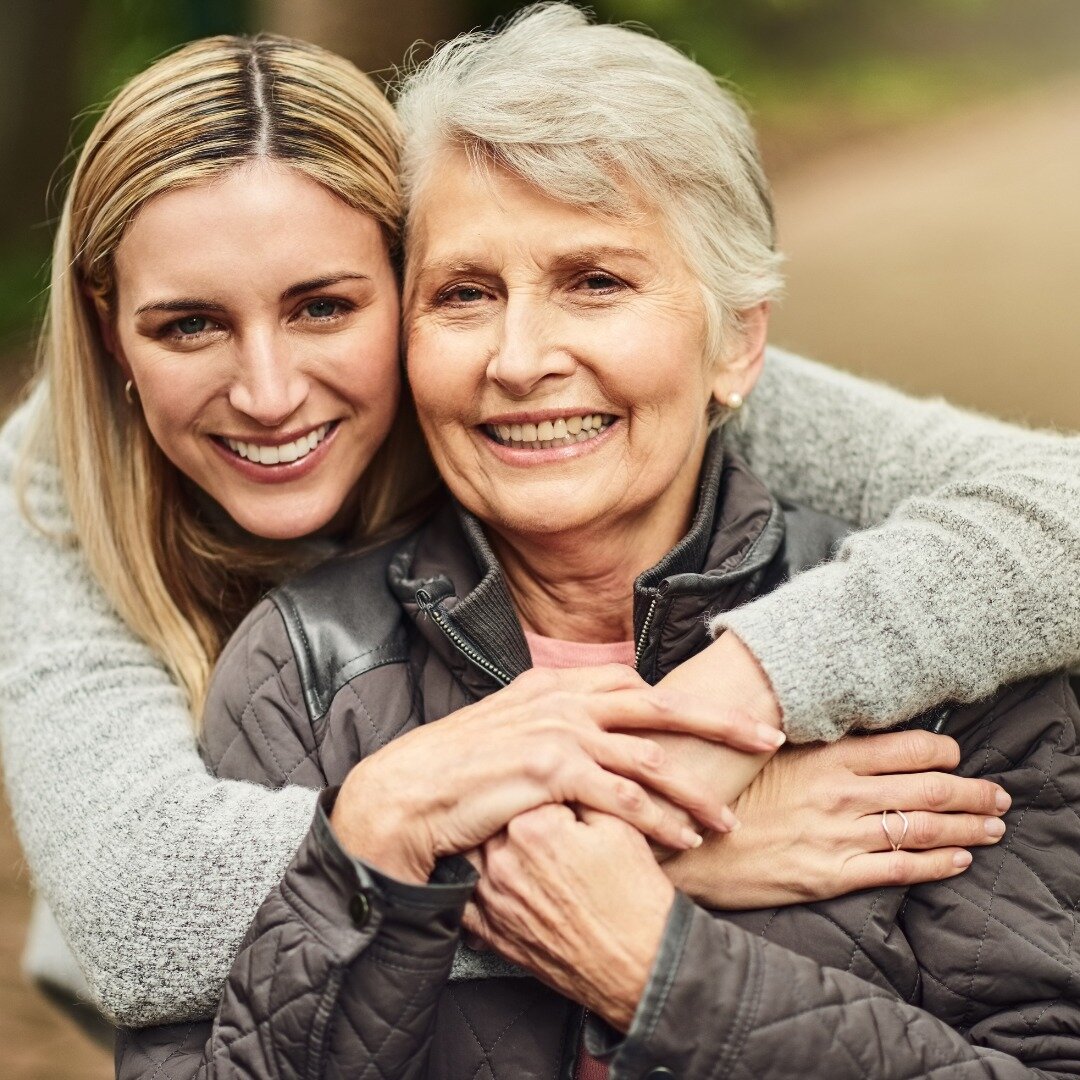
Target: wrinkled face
556,357
258,317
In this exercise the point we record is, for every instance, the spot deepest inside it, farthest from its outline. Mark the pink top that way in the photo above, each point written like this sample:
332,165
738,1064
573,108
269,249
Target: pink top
549,652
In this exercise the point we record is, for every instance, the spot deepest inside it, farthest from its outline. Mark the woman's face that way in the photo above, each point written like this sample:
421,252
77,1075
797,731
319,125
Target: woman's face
556,357
258,316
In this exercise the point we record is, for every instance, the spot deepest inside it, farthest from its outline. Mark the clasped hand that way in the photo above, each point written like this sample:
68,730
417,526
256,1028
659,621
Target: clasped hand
573,737
581,902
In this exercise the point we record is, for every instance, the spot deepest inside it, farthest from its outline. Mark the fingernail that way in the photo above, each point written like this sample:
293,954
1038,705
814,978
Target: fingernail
728,820
690,838
770,736
994,826
1002,800
961,859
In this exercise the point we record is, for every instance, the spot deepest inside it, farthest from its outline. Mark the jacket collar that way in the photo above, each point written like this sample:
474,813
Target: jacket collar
451,583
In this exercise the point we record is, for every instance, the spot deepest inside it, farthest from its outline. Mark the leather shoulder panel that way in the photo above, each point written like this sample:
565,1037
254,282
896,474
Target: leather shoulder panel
342,620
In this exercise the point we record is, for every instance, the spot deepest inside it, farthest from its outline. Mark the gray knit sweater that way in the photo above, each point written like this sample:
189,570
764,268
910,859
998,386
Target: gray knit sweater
154,869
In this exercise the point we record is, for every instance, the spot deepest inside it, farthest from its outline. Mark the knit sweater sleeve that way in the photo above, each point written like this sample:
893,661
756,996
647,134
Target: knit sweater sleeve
153,868
967,575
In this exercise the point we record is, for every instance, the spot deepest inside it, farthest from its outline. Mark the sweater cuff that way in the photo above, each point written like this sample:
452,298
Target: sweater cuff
834,664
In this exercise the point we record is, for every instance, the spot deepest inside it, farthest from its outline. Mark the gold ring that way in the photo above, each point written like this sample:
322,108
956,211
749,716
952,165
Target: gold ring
894,841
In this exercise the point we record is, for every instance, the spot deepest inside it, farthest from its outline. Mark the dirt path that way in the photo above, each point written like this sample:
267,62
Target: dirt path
36,1041
947,260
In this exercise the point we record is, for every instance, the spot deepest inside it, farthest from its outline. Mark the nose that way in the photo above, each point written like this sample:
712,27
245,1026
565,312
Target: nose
269,385
526,352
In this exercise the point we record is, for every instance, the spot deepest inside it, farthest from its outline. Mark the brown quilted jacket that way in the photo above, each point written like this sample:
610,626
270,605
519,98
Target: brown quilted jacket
345,973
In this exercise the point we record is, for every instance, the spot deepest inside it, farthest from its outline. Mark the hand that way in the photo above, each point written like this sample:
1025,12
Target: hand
548,737
727,672
579,901
812,824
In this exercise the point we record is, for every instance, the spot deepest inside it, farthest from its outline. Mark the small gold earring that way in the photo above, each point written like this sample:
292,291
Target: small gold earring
128,392
734,400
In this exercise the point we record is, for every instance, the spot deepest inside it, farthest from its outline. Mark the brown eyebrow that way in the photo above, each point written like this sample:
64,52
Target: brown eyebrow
313,284
174,307
190,304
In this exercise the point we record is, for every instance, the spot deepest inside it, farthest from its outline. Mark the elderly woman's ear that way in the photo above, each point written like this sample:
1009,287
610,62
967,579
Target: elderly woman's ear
737,372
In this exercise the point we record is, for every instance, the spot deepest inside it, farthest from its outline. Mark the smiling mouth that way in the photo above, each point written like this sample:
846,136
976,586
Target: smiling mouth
549,434
283,454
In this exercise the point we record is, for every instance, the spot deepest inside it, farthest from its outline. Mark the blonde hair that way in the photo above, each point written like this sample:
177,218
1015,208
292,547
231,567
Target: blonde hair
181,582
601,117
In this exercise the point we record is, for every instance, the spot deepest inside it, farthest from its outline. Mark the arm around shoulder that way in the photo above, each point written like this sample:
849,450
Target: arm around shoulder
152,867
969,579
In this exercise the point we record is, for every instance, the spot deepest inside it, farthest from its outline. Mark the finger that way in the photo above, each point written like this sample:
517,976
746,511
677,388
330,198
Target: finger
687,714
872,871
928,830
898,752
598,789
937,791
643,760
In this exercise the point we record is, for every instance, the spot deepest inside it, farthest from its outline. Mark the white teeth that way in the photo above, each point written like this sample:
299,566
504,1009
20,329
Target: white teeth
547,434
274,455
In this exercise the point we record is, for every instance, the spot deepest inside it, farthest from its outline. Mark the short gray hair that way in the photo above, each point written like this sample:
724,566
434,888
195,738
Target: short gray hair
601,116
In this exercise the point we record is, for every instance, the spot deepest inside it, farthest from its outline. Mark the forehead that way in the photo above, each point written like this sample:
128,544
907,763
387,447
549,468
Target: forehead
464,212
261,221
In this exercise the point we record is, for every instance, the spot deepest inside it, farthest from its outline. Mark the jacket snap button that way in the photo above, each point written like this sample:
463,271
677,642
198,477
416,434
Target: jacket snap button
360,910
662,1072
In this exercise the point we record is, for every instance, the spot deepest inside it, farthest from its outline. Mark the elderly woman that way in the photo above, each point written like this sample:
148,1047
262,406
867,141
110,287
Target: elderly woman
590,265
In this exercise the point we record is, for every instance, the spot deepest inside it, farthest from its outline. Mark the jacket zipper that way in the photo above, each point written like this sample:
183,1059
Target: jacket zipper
459,642
643,636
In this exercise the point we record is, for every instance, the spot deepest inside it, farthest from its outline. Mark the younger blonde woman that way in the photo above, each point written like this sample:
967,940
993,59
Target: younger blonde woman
141,527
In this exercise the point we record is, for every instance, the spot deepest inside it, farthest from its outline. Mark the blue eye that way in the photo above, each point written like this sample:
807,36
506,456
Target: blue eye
193,324
599,282
321,309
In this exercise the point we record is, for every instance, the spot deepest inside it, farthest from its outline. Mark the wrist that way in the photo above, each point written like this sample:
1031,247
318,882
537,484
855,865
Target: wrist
372,826
624,983
744,681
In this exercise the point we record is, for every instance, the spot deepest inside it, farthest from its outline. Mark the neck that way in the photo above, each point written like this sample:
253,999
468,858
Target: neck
578,585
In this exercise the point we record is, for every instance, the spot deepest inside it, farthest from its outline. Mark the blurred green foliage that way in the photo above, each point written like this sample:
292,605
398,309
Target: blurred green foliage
110,40
813,71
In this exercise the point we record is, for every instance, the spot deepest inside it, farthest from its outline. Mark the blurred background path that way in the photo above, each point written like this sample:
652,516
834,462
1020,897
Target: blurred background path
926,163
947,259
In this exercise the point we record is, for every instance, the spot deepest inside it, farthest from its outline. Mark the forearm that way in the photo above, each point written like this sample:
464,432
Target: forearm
152,868
973,581
722,1002
725,666
338,958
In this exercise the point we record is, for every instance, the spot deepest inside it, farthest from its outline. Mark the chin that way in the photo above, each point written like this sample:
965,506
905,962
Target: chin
281,523
542,518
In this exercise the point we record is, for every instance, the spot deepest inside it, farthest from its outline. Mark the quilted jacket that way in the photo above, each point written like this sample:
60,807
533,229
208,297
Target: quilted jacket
345,973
